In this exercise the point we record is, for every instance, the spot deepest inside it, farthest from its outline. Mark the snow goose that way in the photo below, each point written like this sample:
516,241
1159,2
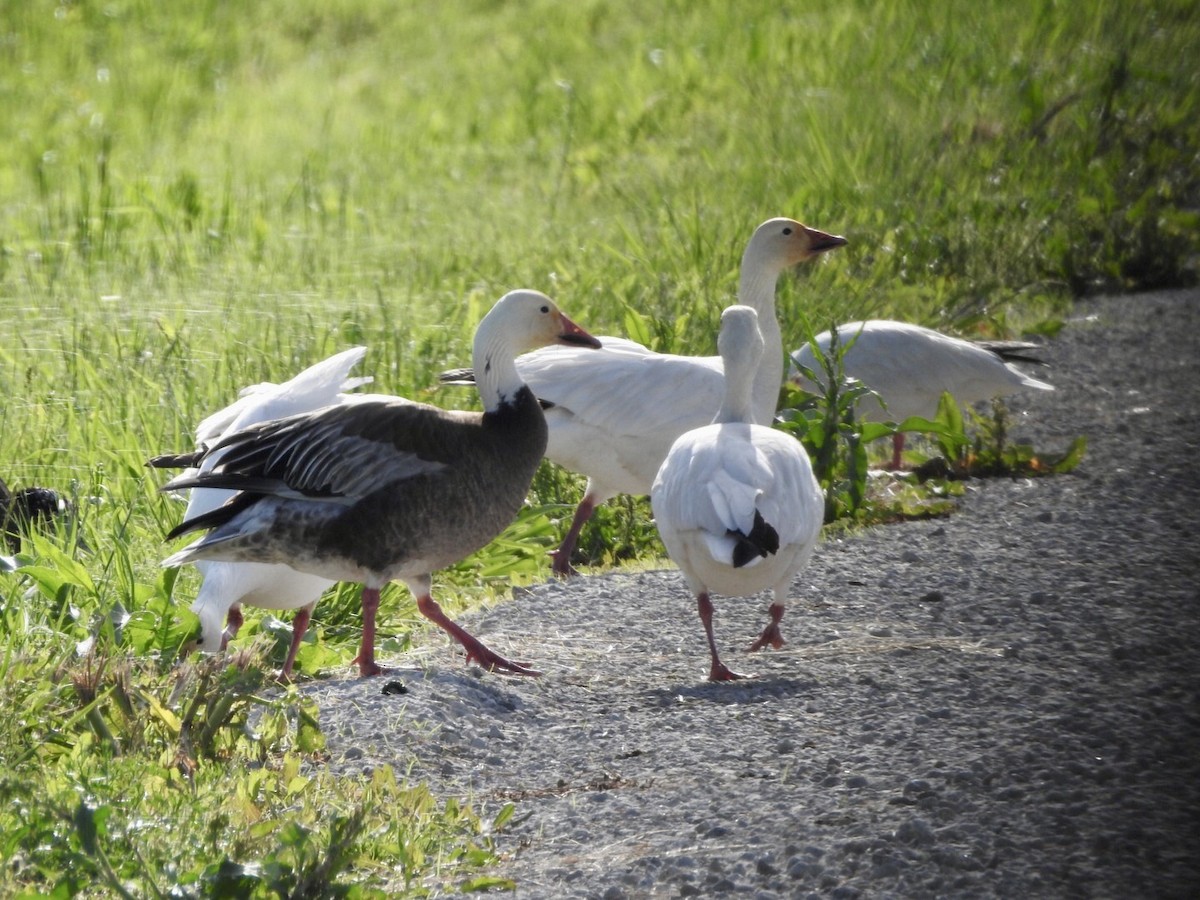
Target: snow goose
736,503
228,585
909,367
385,488
613,415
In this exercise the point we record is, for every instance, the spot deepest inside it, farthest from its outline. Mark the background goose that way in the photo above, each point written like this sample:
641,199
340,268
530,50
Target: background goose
736,503
613,415
227,585
27,508
382,489
909,367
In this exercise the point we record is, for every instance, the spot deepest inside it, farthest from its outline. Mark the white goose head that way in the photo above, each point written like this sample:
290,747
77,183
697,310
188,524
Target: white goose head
778,244
521,320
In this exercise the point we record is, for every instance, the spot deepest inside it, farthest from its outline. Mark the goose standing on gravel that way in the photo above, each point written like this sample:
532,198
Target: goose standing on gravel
382,489
736,503
613,415
228,585
909,367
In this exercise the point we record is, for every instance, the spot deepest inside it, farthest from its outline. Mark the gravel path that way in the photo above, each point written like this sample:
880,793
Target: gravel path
1002,703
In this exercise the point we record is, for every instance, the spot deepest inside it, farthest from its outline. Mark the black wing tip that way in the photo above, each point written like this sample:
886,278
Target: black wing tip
1016,351
762,541
457,376
214,517
175,460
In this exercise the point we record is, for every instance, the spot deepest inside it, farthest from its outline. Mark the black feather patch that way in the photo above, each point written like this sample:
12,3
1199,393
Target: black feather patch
214,517
466,377
177,460
763,540
1015,351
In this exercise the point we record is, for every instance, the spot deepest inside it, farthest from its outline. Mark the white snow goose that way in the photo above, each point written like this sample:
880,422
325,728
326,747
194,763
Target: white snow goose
382,489
736,503
228,585
909,367
613,415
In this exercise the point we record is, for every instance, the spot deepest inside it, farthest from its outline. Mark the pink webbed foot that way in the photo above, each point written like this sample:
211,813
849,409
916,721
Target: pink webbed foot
771,635
718,671
722,672
486,658
477,651
369,668
561,567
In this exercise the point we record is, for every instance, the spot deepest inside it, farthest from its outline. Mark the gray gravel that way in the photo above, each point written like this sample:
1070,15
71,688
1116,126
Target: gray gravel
1002,703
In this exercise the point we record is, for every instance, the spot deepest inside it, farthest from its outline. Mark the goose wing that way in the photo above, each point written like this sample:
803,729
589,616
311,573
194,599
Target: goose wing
339,453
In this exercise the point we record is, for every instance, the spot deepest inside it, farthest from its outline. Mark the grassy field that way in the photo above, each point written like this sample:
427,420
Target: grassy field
198,197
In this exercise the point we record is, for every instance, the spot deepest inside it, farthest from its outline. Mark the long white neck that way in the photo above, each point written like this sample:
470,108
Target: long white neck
756,289
738,405
741,346
492,356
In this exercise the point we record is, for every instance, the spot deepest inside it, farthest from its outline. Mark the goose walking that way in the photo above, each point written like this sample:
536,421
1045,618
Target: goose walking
909,367
385,488
226,586
613,415
736,503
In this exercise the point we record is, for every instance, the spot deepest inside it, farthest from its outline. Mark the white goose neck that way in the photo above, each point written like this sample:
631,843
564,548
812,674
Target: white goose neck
741,346
492,356
756,289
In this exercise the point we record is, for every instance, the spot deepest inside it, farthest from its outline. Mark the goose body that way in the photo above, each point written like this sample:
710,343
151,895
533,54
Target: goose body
226,586
384,488
909,367
613,415
736,503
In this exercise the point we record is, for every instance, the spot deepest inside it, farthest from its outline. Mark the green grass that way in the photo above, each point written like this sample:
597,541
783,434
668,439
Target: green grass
197,197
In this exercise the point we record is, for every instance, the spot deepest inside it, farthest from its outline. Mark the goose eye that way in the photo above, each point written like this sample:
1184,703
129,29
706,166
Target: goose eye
788,230
545,309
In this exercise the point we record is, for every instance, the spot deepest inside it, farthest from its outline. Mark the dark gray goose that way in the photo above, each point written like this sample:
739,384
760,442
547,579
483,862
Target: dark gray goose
28,508
386,489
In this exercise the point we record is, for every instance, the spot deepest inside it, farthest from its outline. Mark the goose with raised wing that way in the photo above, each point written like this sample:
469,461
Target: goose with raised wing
226,586
909,367
385,488
736,503
614,417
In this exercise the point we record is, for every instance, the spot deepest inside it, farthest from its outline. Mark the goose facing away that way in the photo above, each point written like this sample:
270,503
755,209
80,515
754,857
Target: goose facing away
385,488
909,367
613,415
736,503
226,586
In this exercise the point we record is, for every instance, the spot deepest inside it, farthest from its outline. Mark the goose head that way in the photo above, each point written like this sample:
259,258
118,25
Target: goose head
740,341
781,243
521,320
777,244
